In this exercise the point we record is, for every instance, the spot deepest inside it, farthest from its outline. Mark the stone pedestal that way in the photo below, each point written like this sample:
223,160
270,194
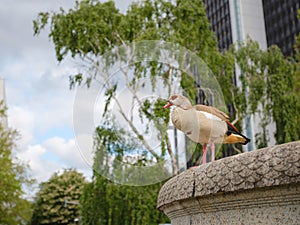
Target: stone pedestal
258,187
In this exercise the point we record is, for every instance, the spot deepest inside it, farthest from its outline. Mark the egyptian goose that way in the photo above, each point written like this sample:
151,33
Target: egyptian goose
203,124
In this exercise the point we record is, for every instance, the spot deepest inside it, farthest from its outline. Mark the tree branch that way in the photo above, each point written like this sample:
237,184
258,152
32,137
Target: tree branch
129,121
172,156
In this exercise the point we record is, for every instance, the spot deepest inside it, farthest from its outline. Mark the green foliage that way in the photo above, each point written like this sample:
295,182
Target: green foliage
155,112
119,158
285,106
95,27
58,199
89,28
13,208
93,199
107,203
188,85
270,83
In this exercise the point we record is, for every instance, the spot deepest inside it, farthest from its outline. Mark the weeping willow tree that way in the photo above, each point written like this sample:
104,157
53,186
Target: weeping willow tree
94,30
269,80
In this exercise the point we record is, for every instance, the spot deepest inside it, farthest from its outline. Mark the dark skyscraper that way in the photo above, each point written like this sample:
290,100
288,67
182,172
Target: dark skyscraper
233,20
218,12
282,24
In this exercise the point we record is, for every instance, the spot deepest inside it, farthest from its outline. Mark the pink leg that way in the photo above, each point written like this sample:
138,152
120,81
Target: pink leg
204,154
212,146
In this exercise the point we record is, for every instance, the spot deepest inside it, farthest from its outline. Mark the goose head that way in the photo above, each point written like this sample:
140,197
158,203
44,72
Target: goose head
179,101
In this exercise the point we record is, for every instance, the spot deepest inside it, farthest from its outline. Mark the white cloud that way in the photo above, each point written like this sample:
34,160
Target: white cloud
66,150
35,108
41,168
39,102
52,155
16,32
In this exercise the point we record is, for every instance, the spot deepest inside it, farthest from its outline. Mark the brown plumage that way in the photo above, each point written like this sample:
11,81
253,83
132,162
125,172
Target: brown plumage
213,111
203,124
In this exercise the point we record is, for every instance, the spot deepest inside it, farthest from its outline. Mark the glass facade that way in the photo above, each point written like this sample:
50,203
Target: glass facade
282,24
218,14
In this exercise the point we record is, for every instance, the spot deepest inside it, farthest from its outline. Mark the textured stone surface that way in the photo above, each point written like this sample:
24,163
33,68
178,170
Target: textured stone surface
263,185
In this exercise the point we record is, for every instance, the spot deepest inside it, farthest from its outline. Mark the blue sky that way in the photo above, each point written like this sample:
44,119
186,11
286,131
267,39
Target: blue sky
39,101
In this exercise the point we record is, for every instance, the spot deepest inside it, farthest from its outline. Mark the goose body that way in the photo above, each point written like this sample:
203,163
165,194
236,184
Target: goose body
200,127
203,124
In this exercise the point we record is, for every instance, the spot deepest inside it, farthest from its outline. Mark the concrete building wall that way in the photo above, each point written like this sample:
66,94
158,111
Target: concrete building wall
247,19
252,21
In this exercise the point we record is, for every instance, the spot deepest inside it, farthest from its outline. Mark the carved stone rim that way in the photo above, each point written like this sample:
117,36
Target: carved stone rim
267,167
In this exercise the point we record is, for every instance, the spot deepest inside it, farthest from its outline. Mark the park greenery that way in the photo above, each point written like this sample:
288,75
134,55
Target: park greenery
269,90
105,202
57,201
14,175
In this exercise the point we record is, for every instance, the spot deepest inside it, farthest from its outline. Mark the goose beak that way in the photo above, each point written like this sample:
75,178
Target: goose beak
167,105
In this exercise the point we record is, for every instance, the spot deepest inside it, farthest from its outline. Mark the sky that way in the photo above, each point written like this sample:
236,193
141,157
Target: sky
39,101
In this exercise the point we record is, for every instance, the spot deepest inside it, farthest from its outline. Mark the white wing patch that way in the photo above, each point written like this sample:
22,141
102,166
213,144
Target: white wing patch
210,116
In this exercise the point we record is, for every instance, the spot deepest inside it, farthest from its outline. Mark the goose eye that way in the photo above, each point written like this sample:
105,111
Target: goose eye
174,97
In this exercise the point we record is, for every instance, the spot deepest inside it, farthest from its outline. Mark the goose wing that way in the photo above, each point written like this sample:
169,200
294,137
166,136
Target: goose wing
212,110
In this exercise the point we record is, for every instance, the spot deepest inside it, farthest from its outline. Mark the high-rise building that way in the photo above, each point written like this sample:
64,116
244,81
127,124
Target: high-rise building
3,119
234,20
218,13
270,22
282,24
